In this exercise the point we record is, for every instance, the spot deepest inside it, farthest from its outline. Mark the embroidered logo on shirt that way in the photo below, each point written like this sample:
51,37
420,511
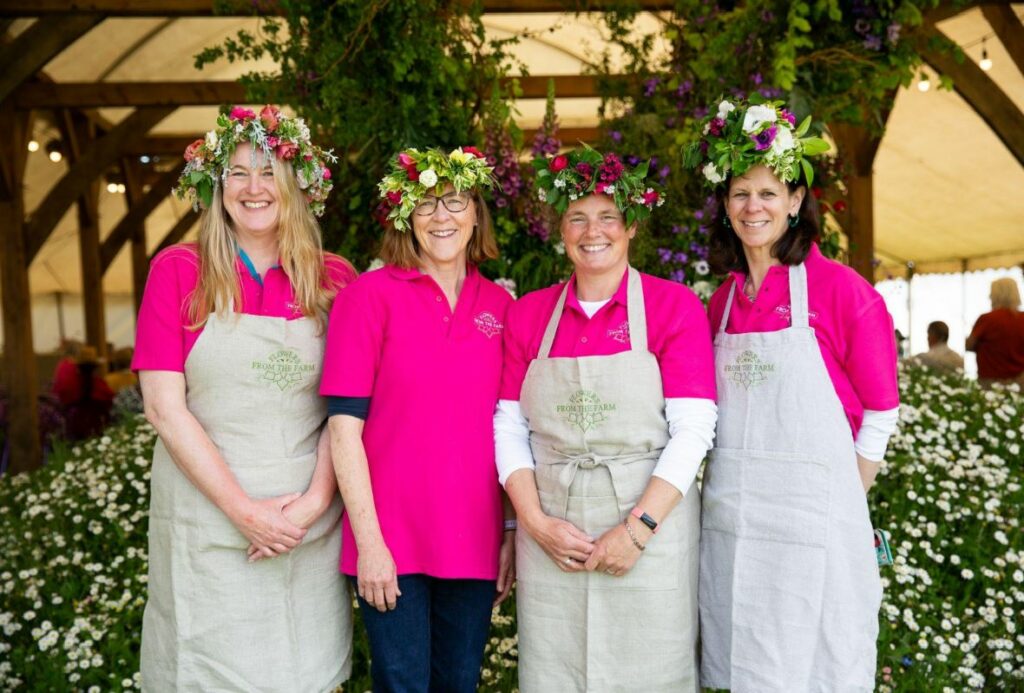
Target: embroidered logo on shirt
283,368
585,410
488,324
621,333
784,311
748,370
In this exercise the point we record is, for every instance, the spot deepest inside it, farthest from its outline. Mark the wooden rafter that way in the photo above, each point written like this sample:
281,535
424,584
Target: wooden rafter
37,45
1009,29
981,93
177,231
45,95
204,8
135,217
96,158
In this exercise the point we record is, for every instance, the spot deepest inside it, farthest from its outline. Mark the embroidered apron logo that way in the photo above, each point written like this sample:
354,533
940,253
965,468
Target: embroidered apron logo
585,410
748,370
488,324
282,368
621,333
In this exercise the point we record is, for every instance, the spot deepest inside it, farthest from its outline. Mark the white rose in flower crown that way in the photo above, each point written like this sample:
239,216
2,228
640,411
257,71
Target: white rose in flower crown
429,178
712,174
211,140
724,109
783,141
757,116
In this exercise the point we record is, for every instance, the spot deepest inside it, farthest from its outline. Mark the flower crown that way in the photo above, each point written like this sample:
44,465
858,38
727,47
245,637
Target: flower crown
743,135
415,173
209,159
581,172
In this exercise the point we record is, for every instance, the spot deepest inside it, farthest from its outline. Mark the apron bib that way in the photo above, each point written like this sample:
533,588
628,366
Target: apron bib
597,428
789,584
214,621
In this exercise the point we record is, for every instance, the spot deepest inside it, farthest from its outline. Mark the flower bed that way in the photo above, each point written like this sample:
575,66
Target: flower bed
73,542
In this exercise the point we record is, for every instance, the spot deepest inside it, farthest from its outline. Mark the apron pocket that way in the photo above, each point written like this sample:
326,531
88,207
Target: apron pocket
767,495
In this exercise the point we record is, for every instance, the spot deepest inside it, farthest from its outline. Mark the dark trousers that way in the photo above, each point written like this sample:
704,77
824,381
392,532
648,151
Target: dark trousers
433,642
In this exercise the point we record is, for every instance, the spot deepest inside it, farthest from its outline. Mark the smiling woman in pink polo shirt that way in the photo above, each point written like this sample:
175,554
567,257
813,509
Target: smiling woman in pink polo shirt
806,370
411,371
607,409
243,521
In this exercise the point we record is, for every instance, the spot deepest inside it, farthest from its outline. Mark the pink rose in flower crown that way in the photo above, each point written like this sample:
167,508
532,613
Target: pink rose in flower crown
559,163
327,174
286,150
475,152
394,198
651,198
602,188
269,118
407,162
272,142
242,114
192,150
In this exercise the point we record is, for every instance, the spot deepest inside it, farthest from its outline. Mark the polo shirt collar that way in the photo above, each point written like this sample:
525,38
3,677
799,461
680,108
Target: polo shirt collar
412,273
814,256
250,266
619,296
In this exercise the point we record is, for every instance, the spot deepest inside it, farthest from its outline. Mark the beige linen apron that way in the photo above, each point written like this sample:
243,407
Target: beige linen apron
215,622
789,584
597,428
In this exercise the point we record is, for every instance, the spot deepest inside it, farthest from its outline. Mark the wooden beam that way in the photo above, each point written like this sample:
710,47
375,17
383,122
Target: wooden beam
136,218
19,358
138,94
858,147
949,9
1008,28
96,158
132,172
177,232
982,94
205,8
37,45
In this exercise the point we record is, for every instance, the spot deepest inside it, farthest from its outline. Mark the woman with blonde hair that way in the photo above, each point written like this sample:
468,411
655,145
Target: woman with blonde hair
998,336
243,539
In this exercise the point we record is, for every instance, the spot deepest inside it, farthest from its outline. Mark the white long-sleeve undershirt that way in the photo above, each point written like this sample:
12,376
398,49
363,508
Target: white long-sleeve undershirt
875,431
691,427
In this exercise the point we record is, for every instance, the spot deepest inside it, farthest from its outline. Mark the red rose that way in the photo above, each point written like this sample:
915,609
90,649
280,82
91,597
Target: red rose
394,197
193,149
409,164
286,150
839,206
270,117
475,152
650,198
559,162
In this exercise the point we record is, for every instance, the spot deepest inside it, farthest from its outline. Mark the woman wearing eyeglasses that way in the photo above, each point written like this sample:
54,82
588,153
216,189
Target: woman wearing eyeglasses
412,369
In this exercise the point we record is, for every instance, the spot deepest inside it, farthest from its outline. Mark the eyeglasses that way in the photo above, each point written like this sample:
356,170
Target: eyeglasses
453,202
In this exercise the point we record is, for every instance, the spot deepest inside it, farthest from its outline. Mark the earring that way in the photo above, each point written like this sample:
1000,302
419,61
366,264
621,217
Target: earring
793,221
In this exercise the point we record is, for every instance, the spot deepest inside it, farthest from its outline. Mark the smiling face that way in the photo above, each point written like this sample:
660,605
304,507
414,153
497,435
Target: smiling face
251,197
595,236
759,206
444,235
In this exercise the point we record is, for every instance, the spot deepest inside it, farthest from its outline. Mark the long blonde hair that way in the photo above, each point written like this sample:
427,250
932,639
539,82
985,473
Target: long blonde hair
300,248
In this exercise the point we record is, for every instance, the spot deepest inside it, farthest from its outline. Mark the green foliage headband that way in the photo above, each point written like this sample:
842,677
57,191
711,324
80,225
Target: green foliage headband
742,135
208,160
415,173
568,177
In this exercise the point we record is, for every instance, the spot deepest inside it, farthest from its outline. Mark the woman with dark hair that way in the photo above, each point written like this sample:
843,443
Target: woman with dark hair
86,397
412,368
806,371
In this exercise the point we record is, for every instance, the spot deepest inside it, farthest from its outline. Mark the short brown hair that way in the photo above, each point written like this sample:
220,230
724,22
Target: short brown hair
939,330
725,251
401,249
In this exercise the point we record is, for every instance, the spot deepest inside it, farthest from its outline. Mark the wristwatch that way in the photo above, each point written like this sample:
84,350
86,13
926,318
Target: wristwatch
645,518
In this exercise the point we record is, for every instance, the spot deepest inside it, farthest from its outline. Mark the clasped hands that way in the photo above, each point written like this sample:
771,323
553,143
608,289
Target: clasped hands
277,525
573,551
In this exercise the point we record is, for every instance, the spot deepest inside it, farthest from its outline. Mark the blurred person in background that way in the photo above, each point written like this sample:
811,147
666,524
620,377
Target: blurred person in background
998,336
939,356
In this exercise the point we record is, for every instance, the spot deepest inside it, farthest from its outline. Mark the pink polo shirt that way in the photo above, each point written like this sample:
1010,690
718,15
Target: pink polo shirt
432,376
162,338
850,321
677,334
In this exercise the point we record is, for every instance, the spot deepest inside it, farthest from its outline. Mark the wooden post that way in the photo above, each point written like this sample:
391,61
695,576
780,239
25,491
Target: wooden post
139,257
19,358
858,146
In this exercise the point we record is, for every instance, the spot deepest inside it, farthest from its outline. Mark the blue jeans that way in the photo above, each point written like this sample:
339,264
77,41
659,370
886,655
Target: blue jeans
433,642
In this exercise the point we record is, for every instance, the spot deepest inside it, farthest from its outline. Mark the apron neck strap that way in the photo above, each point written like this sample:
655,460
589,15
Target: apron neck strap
798,296
635,314
728,307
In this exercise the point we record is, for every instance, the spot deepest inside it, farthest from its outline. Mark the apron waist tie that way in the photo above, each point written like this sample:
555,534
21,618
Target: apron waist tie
572,463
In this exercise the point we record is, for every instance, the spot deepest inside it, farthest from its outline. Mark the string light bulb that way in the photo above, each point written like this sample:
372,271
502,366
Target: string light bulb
923,84
33,146
53,150
986,62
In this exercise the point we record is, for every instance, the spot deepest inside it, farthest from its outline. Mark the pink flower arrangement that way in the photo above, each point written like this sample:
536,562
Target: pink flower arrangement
611,169
327,173
286,150
270,118
193,149
474,151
